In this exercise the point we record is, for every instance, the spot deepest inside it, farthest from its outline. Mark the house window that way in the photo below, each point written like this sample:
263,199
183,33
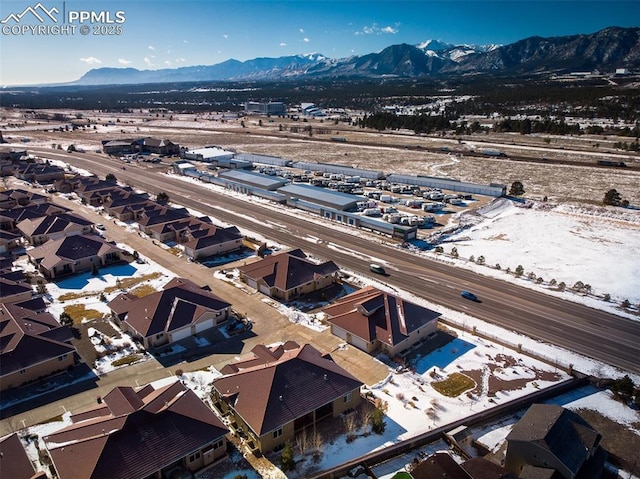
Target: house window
158,336
194,457
218,444
22,371
277,433
62,358
218,313
348,397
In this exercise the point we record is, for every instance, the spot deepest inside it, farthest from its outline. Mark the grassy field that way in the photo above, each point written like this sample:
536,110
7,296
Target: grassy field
454,385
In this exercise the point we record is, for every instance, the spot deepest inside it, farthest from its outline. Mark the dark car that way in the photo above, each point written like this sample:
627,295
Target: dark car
469,295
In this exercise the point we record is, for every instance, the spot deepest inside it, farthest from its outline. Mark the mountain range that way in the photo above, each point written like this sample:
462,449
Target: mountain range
605,50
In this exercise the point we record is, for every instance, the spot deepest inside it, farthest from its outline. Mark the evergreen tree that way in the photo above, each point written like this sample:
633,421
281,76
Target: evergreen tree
286,460
517,189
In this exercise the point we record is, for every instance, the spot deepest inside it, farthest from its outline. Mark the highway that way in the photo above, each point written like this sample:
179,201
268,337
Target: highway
593,333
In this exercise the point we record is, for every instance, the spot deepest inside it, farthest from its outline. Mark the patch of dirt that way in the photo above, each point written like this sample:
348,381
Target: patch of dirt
82,342
621,443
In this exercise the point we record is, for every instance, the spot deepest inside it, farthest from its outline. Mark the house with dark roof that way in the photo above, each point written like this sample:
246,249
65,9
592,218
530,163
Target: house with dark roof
158,146
38,231
180,310
210,240
12,291
551,438
159,215
74,254
9,241
12,198
276,393
140,432
9,219
33,345
14,462
287,275
39,173
372,320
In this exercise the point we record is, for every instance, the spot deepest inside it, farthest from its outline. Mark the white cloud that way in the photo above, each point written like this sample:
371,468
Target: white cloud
283,44
306,40
185,41
180,60
167,62
122,61
148,61
91,60
225,36
151,47
302,30
376,30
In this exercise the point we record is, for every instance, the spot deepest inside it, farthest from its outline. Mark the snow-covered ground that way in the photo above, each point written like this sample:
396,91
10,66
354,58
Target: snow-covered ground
568,243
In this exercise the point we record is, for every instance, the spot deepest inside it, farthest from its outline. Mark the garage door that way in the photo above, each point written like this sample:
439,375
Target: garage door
180,334
265,289
206,324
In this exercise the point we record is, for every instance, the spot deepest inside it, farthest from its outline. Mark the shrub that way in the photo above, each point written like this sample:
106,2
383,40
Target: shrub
378,424
287,462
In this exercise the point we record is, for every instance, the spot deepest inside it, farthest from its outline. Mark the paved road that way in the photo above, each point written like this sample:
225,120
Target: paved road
593,333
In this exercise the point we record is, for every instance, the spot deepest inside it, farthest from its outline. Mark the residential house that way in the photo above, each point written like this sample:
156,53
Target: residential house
288,275
440,464
551,438
9,241
33,345
210,240
13,198
12,291
159,215
14,462
10,218
38,231
40,173
276,393
372,320
74,254
139,433
180,310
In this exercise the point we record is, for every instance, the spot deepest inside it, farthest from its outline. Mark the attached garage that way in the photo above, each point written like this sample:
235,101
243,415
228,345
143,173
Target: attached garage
265,289
204,325
180,334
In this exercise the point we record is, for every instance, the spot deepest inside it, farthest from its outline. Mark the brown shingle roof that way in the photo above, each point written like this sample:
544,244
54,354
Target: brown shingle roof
28,338
270,395
373,314
158,428
287,270
14,462
71,248
180,303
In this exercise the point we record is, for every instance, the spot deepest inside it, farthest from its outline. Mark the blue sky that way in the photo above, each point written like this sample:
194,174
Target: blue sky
172,33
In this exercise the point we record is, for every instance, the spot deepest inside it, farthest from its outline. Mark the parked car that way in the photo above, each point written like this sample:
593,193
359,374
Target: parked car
100,227
469,295
376,268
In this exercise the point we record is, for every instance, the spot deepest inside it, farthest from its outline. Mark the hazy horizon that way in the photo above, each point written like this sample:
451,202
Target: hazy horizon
153,35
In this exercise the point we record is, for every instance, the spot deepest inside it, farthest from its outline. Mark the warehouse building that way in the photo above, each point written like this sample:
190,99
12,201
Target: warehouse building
339,170
256,180
208,154
266,108
401,232
264,159
492,189
320,196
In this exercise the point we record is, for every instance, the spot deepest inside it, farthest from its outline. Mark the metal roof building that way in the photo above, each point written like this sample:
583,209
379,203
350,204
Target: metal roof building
264,159
448,184
256,180
208,154
321,196
339,169
405,233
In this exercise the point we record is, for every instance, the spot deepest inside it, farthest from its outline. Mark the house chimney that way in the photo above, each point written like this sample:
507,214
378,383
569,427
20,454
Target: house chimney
280,398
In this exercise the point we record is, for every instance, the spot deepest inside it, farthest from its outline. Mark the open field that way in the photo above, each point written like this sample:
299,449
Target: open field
388,151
